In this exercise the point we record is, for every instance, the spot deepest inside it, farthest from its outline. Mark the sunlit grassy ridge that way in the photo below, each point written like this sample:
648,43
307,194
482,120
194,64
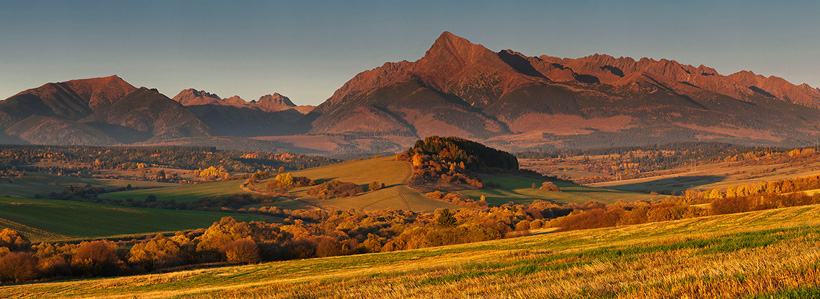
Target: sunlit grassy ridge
387,170
773,252
49,219
397,195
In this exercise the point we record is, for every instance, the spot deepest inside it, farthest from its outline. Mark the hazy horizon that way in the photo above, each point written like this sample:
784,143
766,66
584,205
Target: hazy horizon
307,50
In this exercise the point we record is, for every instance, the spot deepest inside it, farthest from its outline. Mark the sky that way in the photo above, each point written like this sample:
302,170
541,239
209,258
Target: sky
308,49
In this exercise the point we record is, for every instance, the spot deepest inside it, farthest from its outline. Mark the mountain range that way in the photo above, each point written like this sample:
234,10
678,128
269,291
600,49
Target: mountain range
458,88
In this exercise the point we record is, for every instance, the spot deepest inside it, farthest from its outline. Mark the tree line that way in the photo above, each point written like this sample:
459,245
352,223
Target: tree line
91,158
302,234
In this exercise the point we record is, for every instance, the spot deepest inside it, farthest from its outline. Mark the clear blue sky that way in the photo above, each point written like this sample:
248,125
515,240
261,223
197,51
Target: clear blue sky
307,49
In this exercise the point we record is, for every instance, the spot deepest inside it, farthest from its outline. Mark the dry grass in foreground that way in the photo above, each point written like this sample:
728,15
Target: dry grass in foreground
763,253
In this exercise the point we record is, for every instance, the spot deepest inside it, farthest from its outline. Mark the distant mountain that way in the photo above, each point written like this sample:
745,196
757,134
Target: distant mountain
193,97
53,112
71,100
148,113
268,103
515,101
458,88
95,111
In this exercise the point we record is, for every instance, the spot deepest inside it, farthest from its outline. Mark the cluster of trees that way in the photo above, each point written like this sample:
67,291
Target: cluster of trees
211,173
447,162
334,189
280,183
468,154
773,154
20,260
621,213
284,181
754,188
640,161
11,174
90,159
458,199
303,234
685,151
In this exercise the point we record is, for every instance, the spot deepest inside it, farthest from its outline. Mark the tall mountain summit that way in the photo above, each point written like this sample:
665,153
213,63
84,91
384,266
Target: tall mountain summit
517,101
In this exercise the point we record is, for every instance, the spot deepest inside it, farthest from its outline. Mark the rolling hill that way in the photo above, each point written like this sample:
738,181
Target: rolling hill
396,194
53,220
765,253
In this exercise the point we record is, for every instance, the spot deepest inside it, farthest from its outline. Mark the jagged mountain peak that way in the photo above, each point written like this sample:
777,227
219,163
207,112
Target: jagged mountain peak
193,97
274,102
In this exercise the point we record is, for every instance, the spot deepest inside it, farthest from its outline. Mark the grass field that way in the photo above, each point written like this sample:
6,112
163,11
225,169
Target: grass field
181,193
764,253
48,219
42,184
519,189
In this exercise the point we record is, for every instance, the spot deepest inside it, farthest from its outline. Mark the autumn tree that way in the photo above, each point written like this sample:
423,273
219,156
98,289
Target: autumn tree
17,266
242,250
219,235
96,258
13,240
155,253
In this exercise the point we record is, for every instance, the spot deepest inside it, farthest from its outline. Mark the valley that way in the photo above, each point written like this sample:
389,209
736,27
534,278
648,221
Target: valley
339,149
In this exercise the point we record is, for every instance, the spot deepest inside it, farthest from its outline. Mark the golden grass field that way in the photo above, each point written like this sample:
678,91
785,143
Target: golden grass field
716,175
765,253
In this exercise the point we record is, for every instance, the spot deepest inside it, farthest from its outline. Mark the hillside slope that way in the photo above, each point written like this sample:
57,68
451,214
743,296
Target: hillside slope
769,252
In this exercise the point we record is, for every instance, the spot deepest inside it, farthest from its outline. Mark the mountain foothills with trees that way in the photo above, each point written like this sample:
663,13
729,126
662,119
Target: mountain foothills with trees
443,164
318,233
458,88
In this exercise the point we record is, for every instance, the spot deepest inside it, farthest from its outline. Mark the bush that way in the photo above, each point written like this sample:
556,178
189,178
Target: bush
549,186
334,189
373,186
